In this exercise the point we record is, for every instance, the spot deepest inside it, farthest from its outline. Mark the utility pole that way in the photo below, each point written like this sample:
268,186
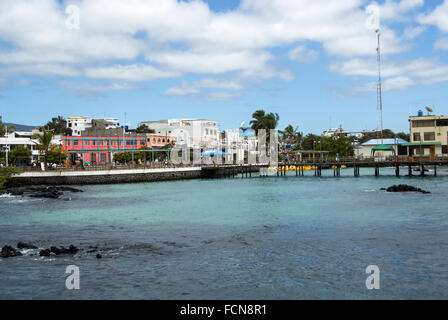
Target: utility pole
6,148
379,87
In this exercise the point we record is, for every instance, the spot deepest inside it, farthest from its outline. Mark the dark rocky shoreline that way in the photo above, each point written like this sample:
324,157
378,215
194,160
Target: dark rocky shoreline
404,188
9,251
50,192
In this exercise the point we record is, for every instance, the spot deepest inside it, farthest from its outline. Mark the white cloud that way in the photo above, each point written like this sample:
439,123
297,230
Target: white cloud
207,89
393,10
303,54
441,44
396,75
184,90
411,33
129,73
86,89
438,17
238,40
176,38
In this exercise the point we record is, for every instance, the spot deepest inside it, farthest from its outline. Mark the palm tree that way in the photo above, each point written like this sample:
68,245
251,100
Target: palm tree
291,136
44,144
6,129
264,121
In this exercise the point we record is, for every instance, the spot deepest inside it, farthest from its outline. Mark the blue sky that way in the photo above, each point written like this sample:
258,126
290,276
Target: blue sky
313,62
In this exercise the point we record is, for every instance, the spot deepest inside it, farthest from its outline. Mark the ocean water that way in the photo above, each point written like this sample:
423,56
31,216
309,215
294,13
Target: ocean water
261,238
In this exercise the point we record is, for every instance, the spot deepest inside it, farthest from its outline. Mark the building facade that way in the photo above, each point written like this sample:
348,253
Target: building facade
194,133
100,149
429,136
80,124
365,150
19,138
159,140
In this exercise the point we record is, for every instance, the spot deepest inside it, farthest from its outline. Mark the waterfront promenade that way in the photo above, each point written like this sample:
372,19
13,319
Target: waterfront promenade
136,173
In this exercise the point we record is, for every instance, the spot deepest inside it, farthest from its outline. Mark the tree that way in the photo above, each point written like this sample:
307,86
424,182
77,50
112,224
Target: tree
143,128
20,152
291,136
309,142
338,144
59,126
264,121
5,174
56,154
44,143
387,134
5,129
404,136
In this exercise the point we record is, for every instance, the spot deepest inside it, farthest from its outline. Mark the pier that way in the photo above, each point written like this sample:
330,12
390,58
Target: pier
411,168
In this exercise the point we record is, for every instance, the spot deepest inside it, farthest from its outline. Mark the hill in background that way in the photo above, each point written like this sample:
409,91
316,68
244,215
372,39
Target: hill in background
22,127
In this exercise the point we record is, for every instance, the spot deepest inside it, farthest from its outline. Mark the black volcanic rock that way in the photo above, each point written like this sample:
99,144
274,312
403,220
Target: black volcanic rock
51,192
23,245
62,250
8,251
405,188
45,253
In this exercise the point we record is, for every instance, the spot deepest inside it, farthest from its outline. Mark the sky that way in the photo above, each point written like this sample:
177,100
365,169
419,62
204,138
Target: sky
313,62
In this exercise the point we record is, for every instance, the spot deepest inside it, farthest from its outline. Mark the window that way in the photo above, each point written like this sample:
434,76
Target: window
422,123
417,136
442,123
75,142
430,136
420,151
129,143
445,149
93,143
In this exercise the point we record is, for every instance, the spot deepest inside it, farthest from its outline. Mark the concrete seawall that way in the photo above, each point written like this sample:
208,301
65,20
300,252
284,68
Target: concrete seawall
104,177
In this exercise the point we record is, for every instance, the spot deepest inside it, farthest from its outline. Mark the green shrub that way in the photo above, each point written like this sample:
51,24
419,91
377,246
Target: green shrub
5,174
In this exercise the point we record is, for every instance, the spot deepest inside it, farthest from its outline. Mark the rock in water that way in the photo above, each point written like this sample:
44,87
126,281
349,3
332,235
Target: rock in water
62,250
23,245
98,256
8,251
45,253
404,188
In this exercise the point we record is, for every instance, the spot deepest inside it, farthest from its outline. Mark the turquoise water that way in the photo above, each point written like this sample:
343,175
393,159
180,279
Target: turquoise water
260,238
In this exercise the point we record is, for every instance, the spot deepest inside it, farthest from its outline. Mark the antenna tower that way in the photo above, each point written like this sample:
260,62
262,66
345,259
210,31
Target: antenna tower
379,88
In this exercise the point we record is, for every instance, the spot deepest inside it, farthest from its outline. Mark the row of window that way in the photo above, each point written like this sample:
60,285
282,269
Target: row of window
105,143
427,136
429,123
159,140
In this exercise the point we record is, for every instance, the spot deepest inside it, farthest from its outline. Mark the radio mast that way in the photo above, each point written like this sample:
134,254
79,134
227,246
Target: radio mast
379,88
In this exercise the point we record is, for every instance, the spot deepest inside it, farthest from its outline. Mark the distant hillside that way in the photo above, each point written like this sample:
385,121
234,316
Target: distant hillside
22,127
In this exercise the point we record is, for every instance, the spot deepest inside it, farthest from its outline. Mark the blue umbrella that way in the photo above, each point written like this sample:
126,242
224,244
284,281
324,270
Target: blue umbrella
212,153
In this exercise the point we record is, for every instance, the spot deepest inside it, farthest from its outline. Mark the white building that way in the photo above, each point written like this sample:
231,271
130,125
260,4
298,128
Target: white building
239,146
19,138
79,124
194,133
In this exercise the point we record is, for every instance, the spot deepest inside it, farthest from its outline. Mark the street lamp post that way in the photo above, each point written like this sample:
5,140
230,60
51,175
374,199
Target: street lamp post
7,148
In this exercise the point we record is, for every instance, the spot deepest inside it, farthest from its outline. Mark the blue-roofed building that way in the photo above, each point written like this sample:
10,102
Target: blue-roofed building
365,150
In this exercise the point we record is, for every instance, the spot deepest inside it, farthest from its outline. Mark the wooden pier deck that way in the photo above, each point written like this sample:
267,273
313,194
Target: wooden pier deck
412,168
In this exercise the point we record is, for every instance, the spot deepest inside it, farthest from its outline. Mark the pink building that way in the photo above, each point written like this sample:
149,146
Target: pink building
98,150
160,140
